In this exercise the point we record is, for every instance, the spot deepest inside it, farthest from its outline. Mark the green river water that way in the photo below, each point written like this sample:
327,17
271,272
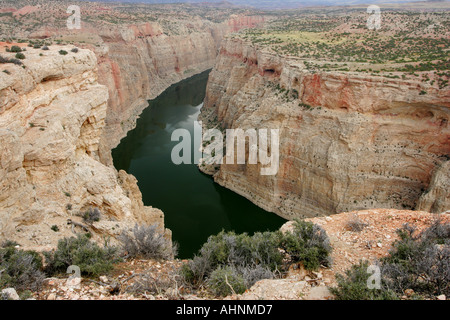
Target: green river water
194,206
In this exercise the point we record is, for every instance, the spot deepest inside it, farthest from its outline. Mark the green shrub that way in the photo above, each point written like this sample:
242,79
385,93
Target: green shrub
20,269
353,286
80,251
229,248
16,62
195,271
15,49
261,249
9,243
253,274
7,60
244,259
63,52
437,233
257,257
20,56
309,244
225,281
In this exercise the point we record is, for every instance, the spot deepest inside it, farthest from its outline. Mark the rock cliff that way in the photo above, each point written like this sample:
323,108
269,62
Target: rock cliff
348,141
138,62
60,117
52,115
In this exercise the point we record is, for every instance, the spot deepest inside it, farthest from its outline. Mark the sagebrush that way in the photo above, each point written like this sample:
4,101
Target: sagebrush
91,215
242,260
147,242
20,269
308,244
417,262
92,259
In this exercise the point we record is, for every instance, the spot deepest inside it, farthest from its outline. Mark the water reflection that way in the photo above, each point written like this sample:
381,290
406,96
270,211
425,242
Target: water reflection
194,206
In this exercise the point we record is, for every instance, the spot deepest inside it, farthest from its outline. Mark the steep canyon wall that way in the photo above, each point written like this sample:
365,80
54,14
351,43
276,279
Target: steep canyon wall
348,141
52,115
138,62
60,116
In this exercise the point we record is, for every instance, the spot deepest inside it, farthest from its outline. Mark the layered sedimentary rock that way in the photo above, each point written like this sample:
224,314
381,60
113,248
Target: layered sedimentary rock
138,62
52,115
348,141
60,116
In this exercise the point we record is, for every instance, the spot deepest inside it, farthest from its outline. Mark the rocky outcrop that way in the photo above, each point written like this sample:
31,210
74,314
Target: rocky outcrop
348,141
52,115
437,197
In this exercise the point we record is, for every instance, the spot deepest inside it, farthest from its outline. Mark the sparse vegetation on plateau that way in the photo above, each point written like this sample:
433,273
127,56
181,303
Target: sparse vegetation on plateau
410,44
8,60
355,224
417,267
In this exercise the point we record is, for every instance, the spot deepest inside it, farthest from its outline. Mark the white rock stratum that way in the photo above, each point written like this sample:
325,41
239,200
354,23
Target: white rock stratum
52,113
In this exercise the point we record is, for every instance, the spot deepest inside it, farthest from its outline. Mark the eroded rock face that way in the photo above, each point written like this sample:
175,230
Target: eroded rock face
52,115
347,141
138,62
61,116
437,197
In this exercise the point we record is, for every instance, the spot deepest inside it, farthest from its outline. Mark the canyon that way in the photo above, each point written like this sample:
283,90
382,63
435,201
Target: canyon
355,143
61,115
141,50
348,141
138,62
